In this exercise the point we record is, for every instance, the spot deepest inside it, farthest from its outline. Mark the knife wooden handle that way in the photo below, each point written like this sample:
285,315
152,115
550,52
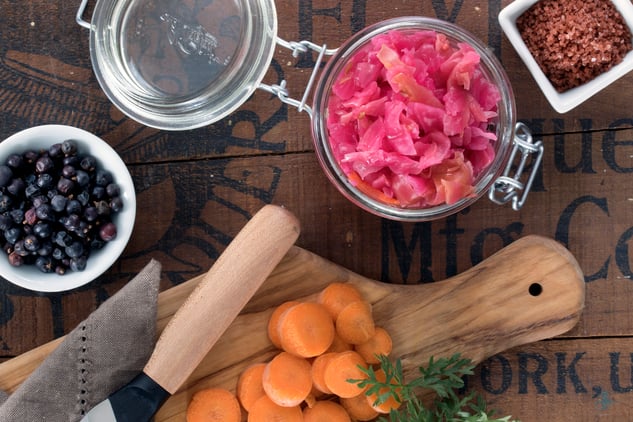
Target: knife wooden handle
223,292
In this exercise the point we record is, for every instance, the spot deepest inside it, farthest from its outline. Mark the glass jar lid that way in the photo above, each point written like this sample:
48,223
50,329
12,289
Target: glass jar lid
179,65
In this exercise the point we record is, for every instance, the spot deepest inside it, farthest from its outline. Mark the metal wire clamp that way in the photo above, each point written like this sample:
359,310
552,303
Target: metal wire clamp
509,188
297,48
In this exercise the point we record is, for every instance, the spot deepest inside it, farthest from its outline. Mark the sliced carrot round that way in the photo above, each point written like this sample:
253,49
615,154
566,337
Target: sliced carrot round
355,323
287,379
336,296
214,405
273,321
312,397
265,410
387,405
379,344
318,372
338,345
326,411
306,330
250,385
359,408
339,372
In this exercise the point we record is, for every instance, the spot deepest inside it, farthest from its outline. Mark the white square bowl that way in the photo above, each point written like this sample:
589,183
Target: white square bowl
562,102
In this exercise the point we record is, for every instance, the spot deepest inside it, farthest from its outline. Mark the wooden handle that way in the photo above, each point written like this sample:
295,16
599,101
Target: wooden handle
531,290
221,295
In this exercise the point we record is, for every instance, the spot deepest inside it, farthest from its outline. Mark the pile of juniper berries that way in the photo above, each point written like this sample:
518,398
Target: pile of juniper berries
56,206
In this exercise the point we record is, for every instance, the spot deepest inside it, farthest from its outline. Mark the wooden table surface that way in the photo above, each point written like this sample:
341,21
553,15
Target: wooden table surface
197,188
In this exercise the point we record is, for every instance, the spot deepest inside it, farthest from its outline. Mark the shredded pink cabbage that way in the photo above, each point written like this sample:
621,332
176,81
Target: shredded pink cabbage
408,119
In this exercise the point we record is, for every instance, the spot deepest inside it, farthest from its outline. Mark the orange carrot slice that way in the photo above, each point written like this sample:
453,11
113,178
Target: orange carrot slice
250,385
287,379
342,368
335,296
338,345
273,322
379,344
369,190
312,398
265,410
387,405
358,408
306,330
355,322
325,411
318,372
214,405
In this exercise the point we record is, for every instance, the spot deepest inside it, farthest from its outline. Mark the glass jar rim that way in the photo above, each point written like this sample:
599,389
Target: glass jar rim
505,127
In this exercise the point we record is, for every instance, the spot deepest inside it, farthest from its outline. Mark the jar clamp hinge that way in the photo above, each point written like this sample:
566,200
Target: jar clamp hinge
297,48
80,13
510,188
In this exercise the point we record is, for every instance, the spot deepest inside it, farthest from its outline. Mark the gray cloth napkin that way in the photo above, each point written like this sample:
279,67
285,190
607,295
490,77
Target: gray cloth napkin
99,356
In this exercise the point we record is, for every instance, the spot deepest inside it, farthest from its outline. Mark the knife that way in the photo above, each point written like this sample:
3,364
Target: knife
230,283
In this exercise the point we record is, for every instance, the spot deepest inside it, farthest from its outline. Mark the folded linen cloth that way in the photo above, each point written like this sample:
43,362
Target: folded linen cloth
99,356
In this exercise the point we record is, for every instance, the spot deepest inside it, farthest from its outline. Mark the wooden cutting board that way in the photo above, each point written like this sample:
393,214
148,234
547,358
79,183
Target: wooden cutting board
531,290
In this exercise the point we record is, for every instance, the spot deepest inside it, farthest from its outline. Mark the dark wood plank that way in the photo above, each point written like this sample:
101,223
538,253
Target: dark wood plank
198,188
571,380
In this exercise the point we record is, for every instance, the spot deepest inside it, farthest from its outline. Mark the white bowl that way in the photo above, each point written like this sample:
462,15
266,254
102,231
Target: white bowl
28,276
565,101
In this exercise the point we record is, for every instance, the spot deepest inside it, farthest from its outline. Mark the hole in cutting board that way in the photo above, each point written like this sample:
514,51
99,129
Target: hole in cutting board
535,289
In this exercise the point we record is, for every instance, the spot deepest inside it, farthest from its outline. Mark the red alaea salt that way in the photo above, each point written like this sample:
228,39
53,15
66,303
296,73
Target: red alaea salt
574,41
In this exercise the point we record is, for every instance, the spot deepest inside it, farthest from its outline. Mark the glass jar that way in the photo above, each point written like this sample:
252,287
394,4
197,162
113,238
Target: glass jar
171,67
502,125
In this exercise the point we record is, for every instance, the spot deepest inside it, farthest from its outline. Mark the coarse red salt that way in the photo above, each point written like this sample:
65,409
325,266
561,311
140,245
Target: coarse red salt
574,41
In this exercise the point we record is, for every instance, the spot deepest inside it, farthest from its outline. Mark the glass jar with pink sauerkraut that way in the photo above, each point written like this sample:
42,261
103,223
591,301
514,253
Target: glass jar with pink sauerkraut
414,119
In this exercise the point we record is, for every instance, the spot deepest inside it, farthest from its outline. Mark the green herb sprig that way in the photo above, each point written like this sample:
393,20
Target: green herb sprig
443,376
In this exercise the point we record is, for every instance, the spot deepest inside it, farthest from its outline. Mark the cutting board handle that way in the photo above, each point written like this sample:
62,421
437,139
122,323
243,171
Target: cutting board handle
531,290
224,291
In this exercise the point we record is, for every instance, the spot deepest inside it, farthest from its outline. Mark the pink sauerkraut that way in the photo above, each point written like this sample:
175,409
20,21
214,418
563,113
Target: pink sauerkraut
408,119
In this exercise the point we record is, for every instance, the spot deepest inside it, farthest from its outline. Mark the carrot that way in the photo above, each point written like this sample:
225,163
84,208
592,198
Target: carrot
342,368
325,411
387,405
355,322
250,385
335,296
358,408
312,398
306,330
318,371
214,404
265,410
287,379
338,345
273,322
368,189
379,344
